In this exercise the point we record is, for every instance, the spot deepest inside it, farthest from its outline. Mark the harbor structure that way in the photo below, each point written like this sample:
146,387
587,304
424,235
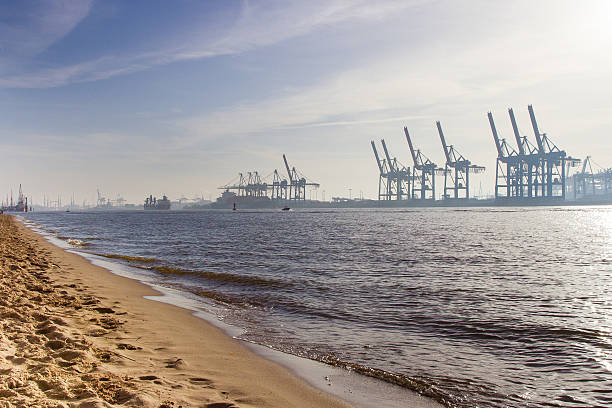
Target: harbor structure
534,172
20,206
590,184
457,170
297,183
394,182
424,173
251,187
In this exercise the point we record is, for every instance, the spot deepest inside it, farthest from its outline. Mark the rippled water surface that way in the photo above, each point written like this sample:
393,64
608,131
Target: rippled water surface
477,307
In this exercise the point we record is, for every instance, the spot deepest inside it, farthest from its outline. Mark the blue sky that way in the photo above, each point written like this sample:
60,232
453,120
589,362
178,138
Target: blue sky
140,97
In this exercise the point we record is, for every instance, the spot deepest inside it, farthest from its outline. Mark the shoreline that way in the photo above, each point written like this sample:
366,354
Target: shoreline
289,380
82,336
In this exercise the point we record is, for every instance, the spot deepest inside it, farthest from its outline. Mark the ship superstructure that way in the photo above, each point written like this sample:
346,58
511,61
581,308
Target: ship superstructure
152,203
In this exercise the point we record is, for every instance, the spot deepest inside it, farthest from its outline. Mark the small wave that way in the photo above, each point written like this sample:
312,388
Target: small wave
221,277
221,298
418,385
76,242
128,258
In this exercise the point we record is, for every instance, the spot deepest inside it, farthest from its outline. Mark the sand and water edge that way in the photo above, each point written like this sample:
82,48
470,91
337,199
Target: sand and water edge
77,335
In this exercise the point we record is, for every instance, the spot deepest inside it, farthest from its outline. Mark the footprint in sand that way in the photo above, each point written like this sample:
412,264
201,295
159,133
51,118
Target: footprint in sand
55,344
103,310
148,377
175,363
126,346
198,380
70,355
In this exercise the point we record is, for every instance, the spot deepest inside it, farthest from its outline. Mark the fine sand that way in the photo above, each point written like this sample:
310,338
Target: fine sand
75,335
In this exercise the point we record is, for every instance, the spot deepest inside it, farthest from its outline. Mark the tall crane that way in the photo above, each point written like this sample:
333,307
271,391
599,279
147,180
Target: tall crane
553,162
297,183
592,181
457,169
279,187
539,170
383,174
394,178
424,172
528,174
584,177
508,168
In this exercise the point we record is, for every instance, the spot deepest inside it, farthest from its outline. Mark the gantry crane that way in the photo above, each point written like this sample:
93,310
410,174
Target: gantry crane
424,173
508,168
297,183
528,174
552,161
589,182
394,178
383,169
540,170
457,170
279,187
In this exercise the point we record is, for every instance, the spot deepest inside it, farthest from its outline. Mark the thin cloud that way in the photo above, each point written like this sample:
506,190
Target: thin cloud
401,87
34,26
257,26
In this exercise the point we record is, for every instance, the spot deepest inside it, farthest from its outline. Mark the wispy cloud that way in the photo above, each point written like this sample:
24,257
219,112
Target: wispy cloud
258,25
402,88
30,27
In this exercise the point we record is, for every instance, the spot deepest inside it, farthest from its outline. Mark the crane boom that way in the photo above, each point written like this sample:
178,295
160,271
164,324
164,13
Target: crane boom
390,163
584,164
412,152
536,131
517,135
444,146
500,152
380,167
288,169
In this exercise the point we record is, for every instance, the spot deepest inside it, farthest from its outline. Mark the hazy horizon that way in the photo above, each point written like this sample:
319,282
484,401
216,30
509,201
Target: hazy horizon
138,98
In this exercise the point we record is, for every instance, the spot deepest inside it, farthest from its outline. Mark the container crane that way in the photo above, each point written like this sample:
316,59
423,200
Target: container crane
383,186
508,168
423,170
457,169
553,162
539,170
528,174
279,187
297,183
394,178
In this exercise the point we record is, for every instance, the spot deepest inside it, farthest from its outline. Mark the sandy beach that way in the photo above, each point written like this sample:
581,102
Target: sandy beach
76,335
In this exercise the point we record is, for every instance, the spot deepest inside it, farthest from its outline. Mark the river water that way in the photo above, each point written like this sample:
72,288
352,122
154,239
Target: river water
485,307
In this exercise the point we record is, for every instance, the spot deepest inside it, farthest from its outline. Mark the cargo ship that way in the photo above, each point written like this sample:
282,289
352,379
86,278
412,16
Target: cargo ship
152,203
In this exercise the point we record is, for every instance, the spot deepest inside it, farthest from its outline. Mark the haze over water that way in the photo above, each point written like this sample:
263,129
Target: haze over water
479,307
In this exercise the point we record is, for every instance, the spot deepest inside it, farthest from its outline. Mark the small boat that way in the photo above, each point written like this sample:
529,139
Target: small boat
285,209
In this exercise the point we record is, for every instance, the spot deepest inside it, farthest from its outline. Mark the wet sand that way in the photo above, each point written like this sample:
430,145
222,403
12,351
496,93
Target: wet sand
76,335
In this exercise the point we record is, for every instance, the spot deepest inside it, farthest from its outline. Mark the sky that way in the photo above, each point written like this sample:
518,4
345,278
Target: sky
156,97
